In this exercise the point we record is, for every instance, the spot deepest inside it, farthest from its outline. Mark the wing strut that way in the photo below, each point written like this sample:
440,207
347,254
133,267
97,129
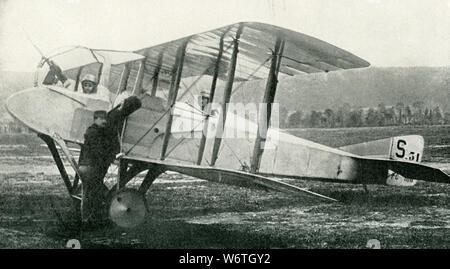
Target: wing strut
75,88
174,87
100,72
124,78
156,74
266,108
226,97
139,77
201,148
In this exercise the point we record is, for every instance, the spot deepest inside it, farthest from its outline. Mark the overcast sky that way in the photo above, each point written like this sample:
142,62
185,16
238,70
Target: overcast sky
383,32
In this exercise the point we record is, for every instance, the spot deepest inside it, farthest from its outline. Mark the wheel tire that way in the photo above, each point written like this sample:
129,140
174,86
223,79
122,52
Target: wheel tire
128,208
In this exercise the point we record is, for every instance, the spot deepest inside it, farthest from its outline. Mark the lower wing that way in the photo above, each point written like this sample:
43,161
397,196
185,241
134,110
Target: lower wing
236,178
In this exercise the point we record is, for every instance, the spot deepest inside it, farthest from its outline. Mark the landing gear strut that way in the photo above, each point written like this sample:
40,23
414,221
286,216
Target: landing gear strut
72,188
127,207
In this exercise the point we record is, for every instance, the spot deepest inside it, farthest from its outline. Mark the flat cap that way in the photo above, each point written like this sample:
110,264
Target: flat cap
100,114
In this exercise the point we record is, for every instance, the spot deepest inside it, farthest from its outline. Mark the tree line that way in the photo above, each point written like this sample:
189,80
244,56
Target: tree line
382,115
342,117
13,127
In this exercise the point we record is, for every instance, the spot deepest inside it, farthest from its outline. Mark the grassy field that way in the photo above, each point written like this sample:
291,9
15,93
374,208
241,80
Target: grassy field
35,212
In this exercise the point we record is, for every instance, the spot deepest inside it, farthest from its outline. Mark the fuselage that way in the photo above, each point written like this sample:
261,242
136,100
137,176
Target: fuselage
52,109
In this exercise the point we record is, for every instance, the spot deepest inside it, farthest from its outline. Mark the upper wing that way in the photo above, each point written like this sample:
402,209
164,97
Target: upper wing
77,61
74,57
302,53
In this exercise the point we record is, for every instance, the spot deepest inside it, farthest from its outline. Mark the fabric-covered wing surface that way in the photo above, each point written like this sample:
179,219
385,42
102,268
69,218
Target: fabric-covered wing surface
71,58
302,53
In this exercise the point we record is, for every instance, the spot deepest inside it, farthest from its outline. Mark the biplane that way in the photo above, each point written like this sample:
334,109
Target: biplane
170,133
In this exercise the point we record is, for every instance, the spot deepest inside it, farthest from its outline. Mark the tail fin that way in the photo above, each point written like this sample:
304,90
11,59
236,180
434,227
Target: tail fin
407,148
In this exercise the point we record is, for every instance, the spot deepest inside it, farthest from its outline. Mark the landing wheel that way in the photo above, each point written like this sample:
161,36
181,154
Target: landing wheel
128,208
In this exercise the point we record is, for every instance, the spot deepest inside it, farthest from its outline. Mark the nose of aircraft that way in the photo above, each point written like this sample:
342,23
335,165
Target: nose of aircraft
48,111
38,109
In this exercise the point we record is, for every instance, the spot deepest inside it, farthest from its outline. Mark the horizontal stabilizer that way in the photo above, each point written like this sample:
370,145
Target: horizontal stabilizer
408,169
408,148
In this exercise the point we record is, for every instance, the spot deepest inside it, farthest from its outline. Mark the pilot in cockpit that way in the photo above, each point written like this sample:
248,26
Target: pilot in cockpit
203,100
204,104
90,86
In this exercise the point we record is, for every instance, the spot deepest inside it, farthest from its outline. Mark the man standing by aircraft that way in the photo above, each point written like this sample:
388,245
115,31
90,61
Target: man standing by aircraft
101,144
98,152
